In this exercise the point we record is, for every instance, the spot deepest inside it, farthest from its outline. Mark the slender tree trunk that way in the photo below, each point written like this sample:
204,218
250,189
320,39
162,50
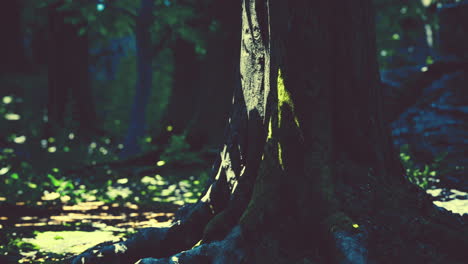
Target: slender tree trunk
203,87
68,74
81,93
218,78
307,173
186,86
57,82
137,122
11,47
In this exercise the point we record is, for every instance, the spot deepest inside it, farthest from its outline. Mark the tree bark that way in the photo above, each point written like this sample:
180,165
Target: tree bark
307,173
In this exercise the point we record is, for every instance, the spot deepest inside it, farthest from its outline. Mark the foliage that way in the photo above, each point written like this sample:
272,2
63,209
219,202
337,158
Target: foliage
178,150
402,26
399,25
106,19
424,176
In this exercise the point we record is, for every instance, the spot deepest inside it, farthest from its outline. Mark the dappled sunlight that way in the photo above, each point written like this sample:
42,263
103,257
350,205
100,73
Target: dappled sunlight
7,99
12,117
4,170
91,223
456,206
19,139
75,242
452,200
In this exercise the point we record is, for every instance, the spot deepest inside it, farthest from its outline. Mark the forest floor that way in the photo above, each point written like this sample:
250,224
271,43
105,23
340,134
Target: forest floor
51,229
46,234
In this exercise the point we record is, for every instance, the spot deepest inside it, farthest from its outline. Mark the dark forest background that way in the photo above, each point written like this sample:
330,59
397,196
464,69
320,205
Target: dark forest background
108,107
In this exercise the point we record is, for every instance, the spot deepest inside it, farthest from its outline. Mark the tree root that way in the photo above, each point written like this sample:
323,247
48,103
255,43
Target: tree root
152,242
227,251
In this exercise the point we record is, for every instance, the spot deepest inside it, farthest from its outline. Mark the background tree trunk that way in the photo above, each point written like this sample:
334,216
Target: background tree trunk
218,80
203,86
11,46
186,86
68,75
144,81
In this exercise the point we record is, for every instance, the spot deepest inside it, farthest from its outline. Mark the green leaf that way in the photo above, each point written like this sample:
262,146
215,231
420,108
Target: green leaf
429,60
54,180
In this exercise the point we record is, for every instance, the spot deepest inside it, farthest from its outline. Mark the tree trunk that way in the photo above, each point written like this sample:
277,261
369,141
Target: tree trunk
200,97
185,85
11,47
68,74
218,80
137,122
307,173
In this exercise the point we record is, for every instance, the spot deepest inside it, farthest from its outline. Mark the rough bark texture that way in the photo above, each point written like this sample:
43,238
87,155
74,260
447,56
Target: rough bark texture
307,173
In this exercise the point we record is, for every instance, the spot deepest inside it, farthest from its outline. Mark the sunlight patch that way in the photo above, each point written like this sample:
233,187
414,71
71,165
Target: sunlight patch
120,248
122,181
73,242
426,3
456,206
4,170
19,140
12,116
7,99
51,149
113,192
50,196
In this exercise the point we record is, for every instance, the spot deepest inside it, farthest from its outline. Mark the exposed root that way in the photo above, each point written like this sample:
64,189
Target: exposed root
227,251
152,242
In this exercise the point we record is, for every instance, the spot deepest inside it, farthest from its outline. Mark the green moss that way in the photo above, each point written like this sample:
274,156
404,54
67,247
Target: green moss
284,99
284,96
280,156
270,130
